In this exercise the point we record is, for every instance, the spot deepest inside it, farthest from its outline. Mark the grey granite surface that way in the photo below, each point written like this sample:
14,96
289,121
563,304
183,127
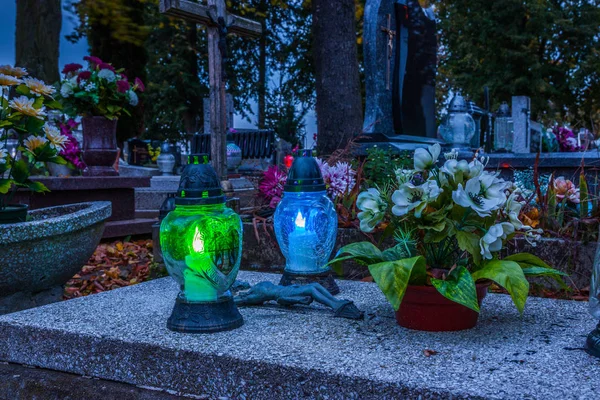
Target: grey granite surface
306,353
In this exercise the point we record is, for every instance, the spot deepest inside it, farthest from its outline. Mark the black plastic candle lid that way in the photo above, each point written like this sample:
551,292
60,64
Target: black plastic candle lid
305,174
199,183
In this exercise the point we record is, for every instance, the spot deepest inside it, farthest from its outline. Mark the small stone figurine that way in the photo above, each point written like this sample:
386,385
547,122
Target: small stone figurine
297,294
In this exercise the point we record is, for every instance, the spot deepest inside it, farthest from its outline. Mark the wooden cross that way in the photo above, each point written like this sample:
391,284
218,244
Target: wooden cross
219,23
390,48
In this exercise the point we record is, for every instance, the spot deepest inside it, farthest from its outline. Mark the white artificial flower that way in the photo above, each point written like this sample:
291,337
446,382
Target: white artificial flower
38,87
452,155
453,167
66,90
493,240
426,158
533,236
108,75
25,106
483,194
90,87
513,210
404,175
372,208
476,168
133,98
409,197
56,139
33,142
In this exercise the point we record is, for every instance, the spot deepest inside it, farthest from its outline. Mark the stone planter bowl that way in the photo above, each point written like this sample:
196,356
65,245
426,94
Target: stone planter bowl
47,250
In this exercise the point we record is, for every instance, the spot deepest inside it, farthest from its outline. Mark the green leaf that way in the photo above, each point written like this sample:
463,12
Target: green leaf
58,160
468,241
584,206
38,103
363,252
20,171
534,267
510,276
5,185
23,90
37,187
54,105
34,125
393,277
459,287
397,252
45,153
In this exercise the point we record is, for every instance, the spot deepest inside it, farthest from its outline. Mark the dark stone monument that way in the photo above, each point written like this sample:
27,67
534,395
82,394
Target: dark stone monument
400,48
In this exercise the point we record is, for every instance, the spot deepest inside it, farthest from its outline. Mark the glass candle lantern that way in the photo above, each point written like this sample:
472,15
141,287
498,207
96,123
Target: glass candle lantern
503,129
201,242
234,155
306,225
459,126
592,345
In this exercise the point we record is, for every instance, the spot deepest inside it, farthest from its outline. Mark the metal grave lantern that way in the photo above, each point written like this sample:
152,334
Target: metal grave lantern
503,129
306,225
201,241
592,345
459,126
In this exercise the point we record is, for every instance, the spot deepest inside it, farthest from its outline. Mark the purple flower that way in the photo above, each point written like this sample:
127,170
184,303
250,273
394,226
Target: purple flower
139,85
94,61
566,139
83,76
73,67
271,185
106,66
122,86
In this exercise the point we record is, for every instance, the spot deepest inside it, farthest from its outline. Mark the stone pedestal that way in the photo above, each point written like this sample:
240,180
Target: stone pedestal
302,351
119,190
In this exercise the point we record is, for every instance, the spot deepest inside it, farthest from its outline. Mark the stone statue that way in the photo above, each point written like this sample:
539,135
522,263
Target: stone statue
400,47
297,294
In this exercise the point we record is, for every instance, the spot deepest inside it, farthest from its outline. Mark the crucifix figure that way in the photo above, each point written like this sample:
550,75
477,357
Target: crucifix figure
219,23
390,48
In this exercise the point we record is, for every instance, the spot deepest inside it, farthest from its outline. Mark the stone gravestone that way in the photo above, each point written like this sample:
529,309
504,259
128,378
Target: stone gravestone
400,49
230,113
521,114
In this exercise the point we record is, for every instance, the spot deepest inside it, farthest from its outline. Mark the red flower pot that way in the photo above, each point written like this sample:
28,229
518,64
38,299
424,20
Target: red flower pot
99,146
424,309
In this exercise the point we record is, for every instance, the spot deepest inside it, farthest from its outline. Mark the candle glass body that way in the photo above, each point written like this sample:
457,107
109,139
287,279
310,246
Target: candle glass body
458,129
306,230
201,247
503,134
595,287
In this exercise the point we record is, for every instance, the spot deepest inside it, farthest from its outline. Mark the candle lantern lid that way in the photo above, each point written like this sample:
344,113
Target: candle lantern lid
458,104
199,183
504,110
305,174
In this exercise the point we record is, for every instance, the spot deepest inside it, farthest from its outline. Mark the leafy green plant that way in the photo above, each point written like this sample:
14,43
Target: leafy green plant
381,165
449,223
24,104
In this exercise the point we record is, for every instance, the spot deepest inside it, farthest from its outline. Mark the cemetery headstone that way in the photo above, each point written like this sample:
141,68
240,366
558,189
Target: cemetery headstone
521,114
400,48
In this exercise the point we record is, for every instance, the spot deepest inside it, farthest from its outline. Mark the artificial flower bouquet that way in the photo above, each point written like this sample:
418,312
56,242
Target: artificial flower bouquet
449,224
99,90
71,151
24,104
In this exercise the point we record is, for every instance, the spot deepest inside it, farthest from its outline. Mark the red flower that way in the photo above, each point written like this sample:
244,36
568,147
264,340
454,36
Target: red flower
122,86
83,76
106,66
139,85
71,68
94,61
124,77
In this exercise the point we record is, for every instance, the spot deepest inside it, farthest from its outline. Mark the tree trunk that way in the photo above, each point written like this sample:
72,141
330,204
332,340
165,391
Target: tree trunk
37,37
339,104
191,63
262,76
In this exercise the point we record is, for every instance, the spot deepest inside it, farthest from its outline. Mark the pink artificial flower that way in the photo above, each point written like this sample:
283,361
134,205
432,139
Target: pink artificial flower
271,185
565,188
566,139
339,178
83,76
139,85
73,67
122,86
94,61
106,66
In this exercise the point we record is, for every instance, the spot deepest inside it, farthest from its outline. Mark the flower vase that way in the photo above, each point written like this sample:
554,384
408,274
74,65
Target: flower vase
99,150
424,309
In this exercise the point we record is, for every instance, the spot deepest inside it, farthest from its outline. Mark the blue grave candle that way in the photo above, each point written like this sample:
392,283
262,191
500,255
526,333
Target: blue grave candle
305,220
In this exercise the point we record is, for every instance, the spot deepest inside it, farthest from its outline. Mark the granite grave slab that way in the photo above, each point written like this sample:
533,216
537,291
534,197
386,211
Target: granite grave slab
304,352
